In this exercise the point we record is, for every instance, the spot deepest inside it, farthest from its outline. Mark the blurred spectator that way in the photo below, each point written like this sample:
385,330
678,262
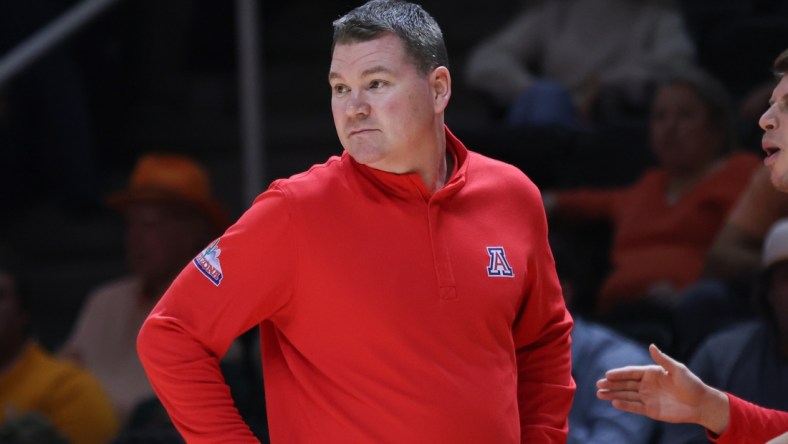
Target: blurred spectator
664,223
595,349
170,216
44,399
750,360
735,255
30,428
570,62
732,263
149,424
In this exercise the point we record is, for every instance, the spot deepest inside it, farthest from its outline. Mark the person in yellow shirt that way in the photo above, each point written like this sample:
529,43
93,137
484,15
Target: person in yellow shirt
35,384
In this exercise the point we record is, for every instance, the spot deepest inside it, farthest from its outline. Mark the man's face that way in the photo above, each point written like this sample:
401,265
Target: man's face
774,122
383,108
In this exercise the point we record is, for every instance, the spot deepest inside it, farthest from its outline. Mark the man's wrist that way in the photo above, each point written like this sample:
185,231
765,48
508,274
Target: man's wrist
715,411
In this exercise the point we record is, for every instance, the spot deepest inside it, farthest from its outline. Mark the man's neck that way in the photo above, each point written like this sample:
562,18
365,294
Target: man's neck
444,164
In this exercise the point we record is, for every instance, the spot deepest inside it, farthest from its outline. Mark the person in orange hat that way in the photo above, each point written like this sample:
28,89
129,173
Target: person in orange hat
170,216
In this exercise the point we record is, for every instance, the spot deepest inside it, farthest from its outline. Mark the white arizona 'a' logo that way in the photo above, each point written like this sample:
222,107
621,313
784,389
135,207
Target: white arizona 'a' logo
499,266
208,263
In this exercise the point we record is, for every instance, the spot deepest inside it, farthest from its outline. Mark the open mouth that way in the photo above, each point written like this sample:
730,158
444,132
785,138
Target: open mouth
771,150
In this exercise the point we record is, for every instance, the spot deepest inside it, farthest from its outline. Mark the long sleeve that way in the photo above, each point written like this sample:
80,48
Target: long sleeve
542,339
750,424
243,278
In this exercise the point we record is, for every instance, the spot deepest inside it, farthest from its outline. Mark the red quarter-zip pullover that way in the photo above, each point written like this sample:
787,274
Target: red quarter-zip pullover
388,314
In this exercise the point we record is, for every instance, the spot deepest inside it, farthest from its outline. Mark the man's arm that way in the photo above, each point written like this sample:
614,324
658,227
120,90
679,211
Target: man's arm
248,278
667,391
545,384
750,423
670,392
542,340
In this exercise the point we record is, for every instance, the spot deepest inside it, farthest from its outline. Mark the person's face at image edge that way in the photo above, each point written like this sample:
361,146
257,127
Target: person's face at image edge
774,123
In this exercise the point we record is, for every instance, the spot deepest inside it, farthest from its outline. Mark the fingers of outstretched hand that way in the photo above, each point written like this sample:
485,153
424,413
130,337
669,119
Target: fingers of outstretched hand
630,385
621,395
632,372
662,359
630,406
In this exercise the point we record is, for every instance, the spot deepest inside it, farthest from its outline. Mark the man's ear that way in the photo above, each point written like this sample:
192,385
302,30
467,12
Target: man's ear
440,79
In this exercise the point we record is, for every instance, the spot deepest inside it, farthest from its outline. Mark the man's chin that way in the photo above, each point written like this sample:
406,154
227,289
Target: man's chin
780,180
366,156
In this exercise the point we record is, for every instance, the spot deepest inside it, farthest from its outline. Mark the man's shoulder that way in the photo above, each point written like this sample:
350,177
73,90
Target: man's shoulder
315,178
479,160
504,173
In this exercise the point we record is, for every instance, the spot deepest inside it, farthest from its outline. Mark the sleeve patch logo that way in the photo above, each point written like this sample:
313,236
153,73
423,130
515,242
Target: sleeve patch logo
499,266
208,263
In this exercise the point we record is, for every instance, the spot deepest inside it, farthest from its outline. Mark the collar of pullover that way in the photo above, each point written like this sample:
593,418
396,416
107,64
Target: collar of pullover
410,184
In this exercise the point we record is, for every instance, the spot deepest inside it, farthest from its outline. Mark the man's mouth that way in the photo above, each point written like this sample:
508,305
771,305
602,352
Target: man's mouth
772,151
769,147
356,132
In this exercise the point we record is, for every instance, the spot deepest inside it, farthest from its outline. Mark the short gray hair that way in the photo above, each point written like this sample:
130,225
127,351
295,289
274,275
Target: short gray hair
781,64
419,32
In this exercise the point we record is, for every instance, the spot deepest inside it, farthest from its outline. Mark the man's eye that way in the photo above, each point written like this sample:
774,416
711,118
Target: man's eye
339,89
377,84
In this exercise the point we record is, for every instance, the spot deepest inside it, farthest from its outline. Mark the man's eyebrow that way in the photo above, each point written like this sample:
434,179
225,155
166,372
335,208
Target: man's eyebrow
367,72
376,70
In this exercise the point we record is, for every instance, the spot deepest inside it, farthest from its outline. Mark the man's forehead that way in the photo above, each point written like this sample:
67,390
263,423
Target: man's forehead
780,93
381,51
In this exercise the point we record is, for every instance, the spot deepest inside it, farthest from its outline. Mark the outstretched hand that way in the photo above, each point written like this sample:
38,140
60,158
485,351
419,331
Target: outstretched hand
667,391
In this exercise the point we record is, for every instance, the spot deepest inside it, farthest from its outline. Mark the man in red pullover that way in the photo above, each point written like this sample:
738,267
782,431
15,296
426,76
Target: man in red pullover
405,290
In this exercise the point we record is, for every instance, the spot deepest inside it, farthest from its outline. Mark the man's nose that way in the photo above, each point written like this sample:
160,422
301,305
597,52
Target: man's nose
768,121
357,105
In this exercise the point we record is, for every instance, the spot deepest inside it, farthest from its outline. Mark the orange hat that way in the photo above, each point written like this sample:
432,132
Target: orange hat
170,177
